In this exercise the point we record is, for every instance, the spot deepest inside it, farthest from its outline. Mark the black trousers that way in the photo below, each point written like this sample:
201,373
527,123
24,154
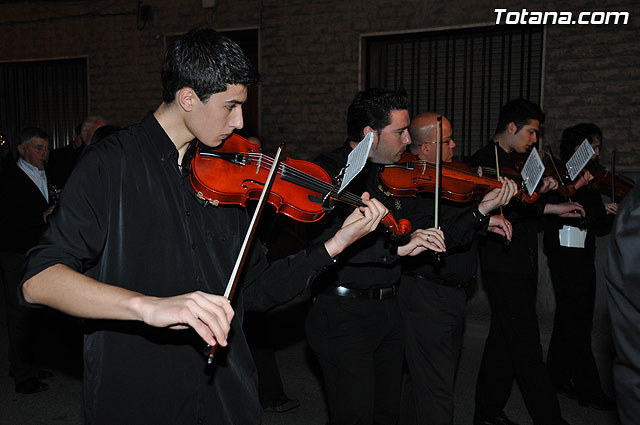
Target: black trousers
259,337
21,320
433,318
358,344
513,350
570,356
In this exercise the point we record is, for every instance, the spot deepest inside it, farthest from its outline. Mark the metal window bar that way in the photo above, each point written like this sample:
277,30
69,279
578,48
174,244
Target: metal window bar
465,74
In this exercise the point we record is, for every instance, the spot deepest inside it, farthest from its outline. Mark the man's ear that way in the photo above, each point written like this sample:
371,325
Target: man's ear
365,131
512,128
424,148
186,98
21,149
368,130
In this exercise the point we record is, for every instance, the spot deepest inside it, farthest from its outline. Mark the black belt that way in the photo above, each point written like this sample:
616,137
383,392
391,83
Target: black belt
363,294
437,281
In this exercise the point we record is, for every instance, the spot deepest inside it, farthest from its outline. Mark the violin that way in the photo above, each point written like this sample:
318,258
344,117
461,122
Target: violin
235,172
459,182
609,183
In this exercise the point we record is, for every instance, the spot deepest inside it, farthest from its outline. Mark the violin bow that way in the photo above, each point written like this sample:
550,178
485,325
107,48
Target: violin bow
613,177
495,151
436,218
555,168
244,250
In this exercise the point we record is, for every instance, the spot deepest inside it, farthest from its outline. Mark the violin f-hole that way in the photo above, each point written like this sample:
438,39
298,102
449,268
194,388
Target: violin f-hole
244,183
415,180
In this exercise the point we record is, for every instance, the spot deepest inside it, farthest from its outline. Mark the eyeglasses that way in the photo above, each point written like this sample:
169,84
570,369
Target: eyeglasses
443,142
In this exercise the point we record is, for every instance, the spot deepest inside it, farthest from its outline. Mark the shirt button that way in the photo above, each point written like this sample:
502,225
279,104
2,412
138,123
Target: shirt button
188,213
193,246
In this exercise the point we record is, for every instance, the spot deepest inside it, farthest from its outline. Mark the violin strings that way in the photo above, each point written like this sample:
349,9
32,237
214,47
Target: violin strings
448,167
305,180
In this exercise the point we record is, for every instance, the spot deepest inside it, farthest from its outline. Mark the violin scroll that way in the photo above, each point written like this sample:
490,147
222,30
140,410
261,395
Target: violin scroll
396,228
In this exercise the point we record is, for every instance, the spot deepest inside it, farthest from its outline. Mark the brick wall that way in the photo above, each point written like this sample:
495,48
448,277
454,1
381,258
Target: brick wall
310,52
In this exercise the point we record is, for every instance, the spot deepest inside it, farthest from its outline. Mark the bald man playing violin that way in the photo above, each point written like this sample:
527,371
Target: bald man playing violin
432,295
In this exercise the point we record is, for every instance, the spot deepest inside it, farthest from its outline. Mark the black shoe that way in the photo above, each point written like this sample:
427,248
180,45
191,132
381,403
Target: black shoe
283,406
42,374
603,402
31,386
501,419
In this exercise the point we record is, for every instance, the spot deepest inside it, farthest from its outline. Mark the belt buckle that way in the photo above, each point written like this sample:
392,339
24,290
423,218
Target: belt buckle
383,292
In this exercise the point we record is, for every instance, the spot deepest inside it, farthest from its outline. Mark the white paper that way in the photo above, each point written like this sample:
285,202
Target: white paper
579,159
532,171
572,237
356,160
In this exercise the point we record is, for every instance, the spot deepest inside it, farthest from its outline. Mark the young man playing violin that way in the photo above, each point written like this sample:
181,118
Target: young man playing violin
134,250
512,349
432,294
354,326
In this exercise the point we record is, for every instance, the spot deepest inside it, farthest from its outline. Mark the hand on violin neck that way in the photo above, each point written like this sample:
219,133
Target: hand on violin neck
584,179
548,183
422,240
362,221
500,225
498,197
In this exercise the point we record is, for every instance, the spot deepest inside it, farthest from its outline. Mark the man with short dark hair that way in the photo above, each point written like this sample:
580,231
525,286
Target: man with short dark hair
512,350
155,259
24,210
354,326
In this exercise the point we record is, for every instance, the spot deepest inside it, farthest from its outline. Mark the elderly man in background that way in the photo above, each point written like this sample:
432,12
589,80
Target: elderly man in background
24,207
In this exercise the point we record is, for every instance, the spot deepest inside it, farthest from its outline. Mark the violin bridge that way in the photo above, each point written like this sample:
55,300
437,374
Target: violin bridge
259,164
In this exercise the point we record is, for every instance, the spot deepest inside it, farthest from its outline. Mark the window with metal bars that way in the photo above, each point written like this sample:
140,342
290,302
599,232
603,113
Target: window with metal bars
51,95
465,74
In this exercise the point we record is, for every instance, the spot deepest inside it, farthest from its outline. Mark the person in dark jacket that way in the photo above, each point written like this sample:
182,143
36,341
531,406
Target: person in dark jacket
25,205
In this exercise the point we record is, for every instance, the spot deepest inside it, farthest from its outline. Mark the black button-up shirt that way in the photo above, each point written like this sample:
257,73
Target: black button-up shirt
458,265
128,217
372,262
521,255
